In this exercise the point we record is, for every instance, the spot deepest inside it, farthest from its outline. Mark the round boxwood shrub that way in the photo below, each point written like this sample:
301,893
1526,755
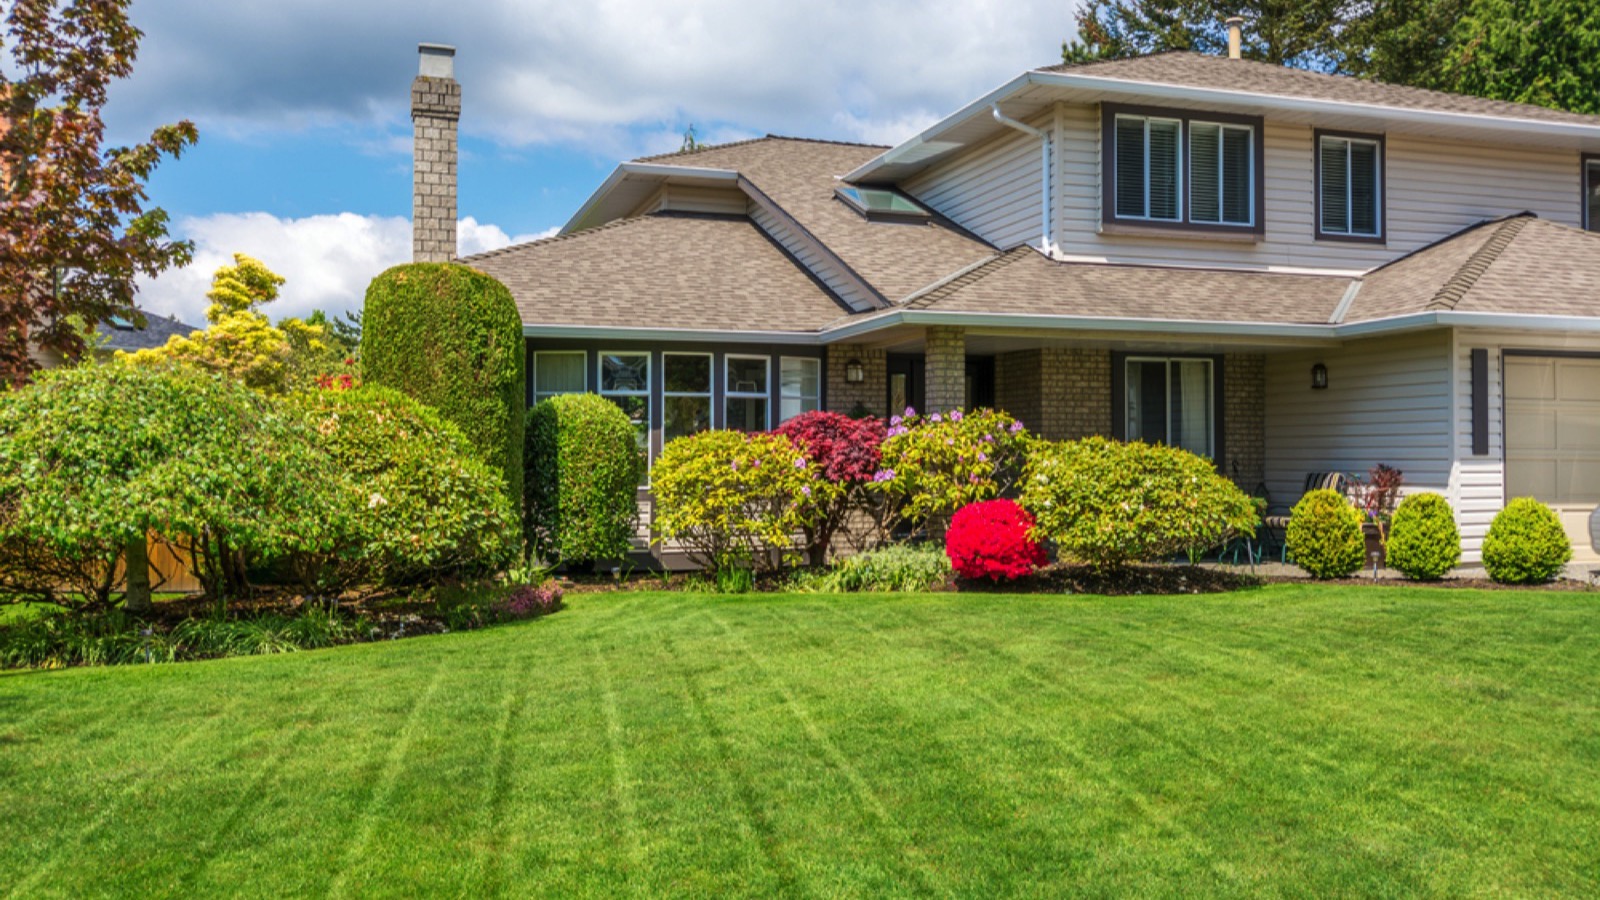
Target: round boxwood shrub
990,540
1110,504
451,337
1526,544
583,468
1324,535
736,500
422,502
1424,542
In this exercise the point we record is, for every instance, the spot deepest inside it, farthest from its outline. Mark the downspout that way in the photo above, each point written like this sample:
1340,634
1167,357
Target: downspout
1044,170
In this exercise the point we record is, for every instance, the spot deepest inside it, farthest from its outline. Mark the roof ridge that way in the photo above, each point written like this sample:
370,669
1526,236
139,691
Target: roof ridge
675,154
971,276
1485,223
1478,263
609,226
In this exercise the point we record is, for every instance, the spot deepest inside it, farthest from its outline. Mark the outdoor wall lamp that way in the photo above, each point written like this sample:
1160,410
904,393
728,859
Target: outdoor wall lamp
854,372
1319,377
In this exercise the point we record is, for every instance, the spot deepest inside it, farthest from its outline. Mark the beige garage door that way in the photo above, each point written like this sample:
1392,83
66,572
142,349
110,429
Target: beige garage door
1553,429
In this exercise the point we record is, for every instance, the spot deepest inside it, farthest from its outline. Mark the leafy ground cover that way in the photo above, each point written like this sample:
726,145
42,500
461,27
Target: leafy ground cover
1296,739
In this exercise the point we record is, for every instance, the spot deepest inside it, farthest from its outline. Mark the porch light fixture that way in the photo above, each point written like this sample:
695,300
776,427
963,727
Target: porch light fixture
1319,377
854,372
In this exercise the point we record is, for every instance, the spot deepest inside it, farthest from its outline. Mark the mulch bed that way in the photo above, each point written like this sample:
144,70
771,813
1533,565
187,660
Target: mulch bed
392,615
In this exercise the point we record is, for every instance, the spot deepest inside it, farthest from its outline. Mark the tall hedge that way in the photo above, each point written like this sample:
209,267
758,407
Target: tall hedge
451,337
583,472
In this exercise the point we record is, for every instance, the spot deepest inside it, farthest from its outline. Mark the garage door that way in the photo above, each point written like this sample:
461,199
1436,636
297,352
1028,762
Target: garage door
1553,429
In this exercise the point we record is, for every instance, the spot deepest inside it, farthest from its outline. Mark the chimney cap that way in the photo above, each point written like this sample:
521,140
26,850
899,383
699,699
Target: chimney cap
436,60
1234,20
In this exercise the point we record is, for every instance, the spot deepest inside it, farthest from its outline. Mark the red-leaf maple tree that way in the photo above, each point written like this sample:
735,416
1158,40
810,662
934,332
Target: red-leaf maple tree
74,227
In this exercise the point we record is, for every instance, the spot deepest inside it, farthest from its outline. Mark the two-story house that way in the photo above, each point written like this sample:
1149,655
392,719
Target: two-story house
1285,271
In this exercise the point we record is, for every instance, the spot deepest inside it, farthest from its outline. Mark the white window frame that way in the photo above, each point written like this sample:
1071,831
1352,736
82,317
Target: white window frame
801,397
649,403
1349,188
710,393
1181,165
1250,175
584,368
728,392
1211,397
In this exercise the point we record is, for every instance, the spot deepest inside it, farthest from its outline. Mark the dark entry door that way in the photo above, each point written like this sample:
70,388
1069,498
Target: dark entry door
906,373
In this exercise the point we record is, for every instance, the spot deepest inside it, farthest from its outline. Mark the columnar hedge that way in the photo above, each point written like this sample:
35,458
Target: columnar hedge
451,337
582,476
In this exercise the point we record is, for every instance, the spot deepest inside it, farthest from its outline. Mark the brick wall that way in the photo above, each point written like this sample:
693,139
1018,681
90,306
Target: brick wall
1076,387
872,394
1016,384
435,111
946,355
1244,425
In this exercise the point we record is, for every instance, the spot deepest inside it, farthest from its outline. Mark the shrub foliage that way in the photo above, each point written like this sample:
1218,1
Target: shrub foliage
1324,535
1526,544
899,568
1424,542
451,337
736,500
420,500
583,468
847,453
991,540
1110,504
933,465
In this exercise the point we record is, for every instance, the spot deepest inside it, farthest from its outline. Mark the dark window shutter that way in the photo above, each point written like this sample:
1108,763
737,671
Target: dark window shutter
1480,402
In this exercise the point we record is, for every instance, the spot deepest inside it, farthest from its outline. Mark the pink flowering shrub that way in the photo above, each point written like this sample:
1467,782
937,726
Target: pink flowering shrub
846,453
532,600
933,465
990,540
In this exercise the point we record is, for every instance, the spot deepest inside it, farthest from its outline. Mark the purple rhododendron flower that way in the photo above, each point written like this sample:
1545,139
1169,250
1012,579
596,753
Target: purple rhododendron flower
1016,427
910,412
983,457
884,475
936,418
894,420
955,415
806,489
949,442
734,465
800,462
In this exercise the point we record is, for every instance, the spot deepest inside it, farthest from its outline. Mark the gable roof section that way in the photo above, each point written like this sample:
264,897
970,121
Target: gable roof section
156,331
669,271
799,177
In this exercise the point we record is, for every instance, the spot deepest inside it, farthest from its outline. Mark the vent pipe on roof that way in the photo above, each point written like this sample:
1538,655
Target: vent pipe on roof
1235,37
435,112
1044,170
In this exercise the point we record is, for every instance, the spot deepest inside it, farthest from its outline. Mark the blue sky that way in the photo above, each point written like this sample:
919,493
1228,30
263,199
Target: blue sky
304,157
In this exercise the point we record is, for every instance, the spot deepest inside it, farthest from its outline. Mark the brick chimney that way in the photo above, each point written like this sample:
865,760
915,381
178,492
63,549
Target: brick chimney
435,110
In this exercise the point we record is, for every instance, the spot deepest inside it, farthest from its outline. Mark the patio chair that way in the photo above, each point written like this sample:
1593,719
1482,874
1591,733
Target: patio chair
1275,524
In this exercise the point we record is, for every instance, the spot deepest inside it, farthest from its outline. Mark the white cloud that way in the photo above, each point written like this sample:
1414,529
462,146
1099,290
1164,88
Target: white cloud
595,75
326,260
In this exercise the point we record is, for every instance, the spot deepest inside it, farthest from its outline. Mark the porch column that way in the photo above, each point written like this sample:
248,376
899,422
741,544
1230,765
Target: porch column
946,358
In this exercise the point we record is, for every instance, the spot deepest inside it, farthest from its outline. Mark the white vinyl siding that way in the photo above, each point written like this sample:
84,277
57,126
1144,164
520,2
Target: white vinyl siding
1350,187
1433,189
1388,401
688,198
992,191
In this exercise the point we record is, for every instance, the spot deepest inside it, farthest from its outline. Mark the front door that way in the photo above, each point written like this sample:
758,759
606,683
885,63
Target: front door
906,372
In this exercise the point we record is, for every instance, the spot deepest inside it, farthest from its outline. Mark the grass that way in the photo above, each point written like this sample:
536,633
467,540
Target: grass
1292,740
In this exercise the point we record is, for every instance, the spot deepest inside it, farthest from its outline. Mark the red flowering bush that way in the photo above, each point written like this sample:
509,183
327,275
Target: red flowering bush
846,453
990,540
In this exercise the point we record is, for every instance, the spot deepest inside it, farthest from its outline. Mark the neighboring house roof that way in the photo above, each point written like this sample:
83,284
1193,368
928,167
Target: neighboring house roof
1025,282
1519,265
667,270
1198,70
123,335
799,176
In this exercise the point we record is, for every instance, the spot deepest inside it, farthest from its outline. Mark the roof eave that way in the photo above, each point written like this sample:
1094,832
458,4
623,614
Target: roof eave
705,335
622,172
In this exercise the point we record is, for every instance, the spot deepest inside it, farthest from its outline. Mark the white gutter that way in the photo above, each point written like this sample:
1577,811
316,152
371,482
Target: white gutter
698,335
1044,171
655,170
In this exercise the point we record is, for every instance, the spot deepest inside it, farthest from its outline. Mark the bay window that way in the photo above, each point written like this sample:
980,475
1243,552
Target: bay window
747,394
625,381
799,386
685,393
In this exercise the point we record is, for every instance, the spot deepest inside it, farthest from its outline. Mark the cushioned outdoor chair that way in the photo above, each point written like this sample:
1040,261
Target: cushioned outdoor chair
1275,524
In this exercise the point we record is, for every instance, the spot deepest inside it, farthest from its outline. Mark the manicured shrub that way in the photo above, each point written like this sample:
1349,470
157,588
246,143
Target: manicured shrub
583,468
451,337
1324,535
898,568
847,453
530,600
934,465
1424,542
96,457
736,500
1526,544
1109,504
422,502
990,540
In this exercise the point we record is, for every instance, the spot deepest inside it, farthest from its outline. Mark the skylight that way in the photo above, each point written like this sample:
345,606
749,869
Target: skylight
881,202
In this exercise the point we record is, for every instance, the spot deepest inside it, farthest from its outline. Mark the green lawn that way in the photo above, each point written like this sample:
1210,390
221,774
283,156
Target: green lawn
1291,740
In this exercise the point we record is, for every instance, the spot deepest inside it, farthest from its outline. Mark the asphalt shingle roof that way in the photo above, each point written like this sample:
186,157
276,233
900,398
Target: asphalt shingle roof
665,270
1199,70
155,333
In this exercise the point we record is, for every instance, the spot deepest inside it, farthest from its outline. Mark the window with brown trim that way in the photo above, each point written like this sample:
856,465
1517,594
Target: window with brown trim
1349,187
1591,193
1178,169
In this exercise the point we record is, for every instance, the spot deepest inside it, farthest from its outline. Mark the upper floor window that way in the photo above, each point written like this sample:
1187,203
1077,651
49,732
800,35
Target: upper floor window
1349,186
1172,170
1591,193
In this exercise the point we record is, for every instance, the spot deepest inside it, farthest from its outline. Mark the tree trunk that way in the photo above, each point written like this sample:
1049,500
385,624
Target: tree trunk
136,573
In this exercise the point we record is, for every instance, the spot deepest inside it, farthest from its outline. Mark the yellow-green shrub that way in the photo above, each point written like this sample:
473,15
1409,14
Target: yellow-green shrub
1424,542
736,500
1526,544
933,465
1324,535
1110,504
